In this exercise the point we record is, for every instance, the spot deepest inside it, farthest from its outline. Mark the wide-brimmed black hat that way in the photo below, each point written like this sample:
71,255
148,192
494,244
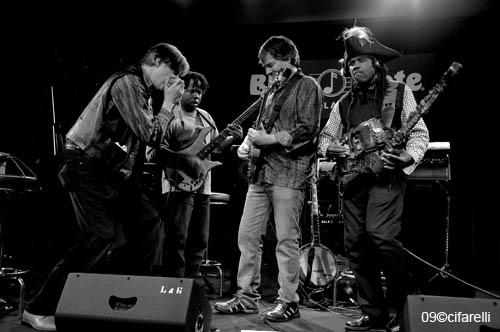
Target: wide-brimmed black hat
360,41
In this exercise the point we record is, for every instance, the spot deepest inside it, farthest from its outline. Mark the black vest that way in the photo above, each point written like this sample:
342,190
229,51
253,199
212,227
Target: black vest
390,115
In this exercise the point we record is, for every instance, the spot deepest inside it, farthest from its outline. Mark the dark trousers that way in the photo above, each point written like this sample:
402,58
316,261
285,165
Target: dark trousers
373,209
111,214
187,223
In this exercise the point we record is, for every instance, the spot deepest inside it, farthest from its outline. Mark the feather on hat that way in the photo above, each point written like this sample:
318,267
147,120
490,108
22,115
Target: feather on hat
360,41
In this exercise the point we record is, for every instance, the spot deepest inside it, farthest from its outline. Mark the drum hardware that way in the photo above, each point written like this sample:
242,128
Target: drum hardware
16,178
347,278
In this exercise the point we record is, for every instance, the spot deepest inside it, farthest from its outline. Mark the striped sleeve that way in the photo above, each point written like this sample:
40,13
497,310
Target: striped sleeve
419,136
133,102
331,131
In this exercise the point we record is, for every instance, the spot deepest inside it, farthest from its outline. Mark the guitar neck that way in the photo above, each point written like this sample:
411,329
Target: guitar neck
315,227
425,104
207,149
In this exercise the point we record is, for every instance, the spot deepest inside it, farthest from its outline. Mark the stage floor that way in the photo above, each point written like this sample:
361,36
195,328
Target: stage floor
311,320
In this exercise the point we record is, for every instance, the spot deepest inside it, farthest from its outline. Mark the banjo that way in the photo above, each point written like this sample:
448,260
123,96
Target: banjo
317,267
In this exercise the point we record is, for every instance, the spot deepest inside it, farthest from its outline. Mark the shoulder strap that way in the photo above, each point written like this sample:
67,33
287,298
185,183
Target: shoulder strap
281,99
344,106
206,119
399,105
392,105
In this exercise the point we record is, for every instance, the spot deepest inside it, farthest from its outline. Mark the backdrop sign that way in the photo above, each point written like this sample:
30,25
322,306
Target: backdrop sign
415,70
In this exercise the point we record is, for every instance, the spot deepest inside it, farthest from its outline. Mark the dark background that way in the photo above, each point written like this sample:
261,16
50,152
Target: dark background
70,50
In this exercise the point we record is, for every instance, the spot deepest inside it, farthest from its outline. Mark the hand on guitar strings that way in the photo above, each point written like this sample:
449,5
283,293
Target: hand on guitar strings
396,161
235,130
260,137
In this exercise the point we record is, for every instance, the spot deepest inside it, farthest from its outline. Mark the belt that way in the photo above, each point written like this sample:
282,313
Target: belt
74,152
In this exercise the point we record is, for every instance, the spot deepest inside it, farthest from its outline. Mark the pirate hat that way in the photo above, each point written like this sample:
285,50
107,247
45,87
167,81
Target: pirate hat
360,41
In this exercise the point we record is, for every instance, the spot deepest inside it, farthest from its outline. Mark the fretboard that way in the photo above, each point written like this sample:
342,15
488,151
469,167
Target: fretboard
207,149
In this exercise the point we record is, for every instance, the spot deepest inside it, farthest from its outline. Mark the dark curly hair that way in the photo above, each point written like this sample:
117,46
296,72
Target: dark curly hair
199,80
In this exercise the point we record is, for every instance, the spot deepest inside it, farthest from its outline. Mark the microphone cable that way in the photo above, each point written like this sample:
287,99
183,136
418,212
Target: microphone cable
496,296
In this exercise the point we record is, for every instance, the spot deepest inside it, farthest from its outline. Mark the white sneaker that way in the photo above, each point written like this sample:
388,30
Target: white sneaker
39,322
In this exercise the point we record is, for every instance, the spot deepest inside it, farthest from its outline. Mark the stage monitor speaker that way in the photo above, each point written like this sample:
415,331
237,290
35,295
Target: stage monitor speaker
424,313
104,302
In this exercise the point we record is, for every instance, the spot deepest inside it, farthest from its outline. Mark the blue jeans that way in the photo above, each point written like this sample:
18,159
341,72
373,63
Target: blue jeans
285,205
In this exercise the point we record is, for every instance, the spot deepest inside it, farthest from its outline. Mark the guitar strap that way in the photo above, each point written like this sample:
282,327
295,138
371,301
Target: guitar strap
285,91
206,119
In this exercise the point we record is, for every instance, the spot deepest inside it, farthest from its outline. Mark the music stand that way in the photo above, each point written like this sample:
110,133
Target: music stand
15,178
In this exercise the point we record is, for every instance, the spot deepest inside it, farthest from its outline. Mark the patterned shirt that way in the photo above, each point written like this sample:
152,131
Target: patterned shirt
417,142
289,163
119,120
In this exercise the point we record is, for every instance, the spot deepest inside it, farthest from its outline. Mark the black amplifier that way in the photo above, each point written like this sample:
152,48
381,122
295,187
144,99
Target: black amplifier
435,165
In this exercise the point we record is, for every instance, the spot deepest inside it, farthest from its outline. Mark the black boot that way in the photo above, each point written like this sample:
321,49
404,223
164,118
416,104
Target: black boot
360,324
365,323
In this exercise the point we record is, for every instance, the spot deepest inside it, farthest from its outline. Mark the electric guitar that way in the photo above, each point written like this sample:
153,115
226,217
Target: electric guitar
254,154
179,179
369,139
318,267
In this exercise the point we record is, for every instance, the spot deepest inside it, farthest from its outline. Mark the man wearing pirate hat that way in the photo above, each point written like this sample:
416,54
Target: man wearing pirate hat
373,203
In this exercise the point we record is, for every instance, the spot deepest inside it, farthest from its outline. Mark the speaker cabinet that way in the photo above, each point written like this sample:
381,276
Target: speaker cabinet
103,302
425,313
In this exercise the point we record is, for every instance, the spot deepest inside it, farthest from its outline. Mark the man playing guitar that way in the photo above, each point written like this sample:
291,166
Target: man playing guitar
286,137
186,213
373,203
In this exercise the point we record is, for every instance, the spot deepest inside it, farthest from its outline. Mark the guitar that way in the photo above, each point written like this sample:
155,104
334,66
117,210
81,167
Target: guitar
179,179
368,140
254,154
318,267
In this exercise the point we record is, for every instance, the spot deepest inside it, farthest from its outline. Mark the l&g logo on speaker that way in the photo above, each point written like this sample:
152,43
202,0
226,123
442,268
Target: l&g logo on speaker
171,290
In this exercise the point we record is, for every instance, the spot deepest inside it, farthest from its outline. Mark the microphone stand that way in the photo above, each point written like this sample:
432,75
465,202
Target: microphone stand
445,188
57,139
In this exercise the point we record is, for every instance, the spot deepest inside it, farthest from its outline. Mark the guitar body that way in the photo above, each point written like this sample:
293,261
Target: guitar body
179,178
318,262
254,160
